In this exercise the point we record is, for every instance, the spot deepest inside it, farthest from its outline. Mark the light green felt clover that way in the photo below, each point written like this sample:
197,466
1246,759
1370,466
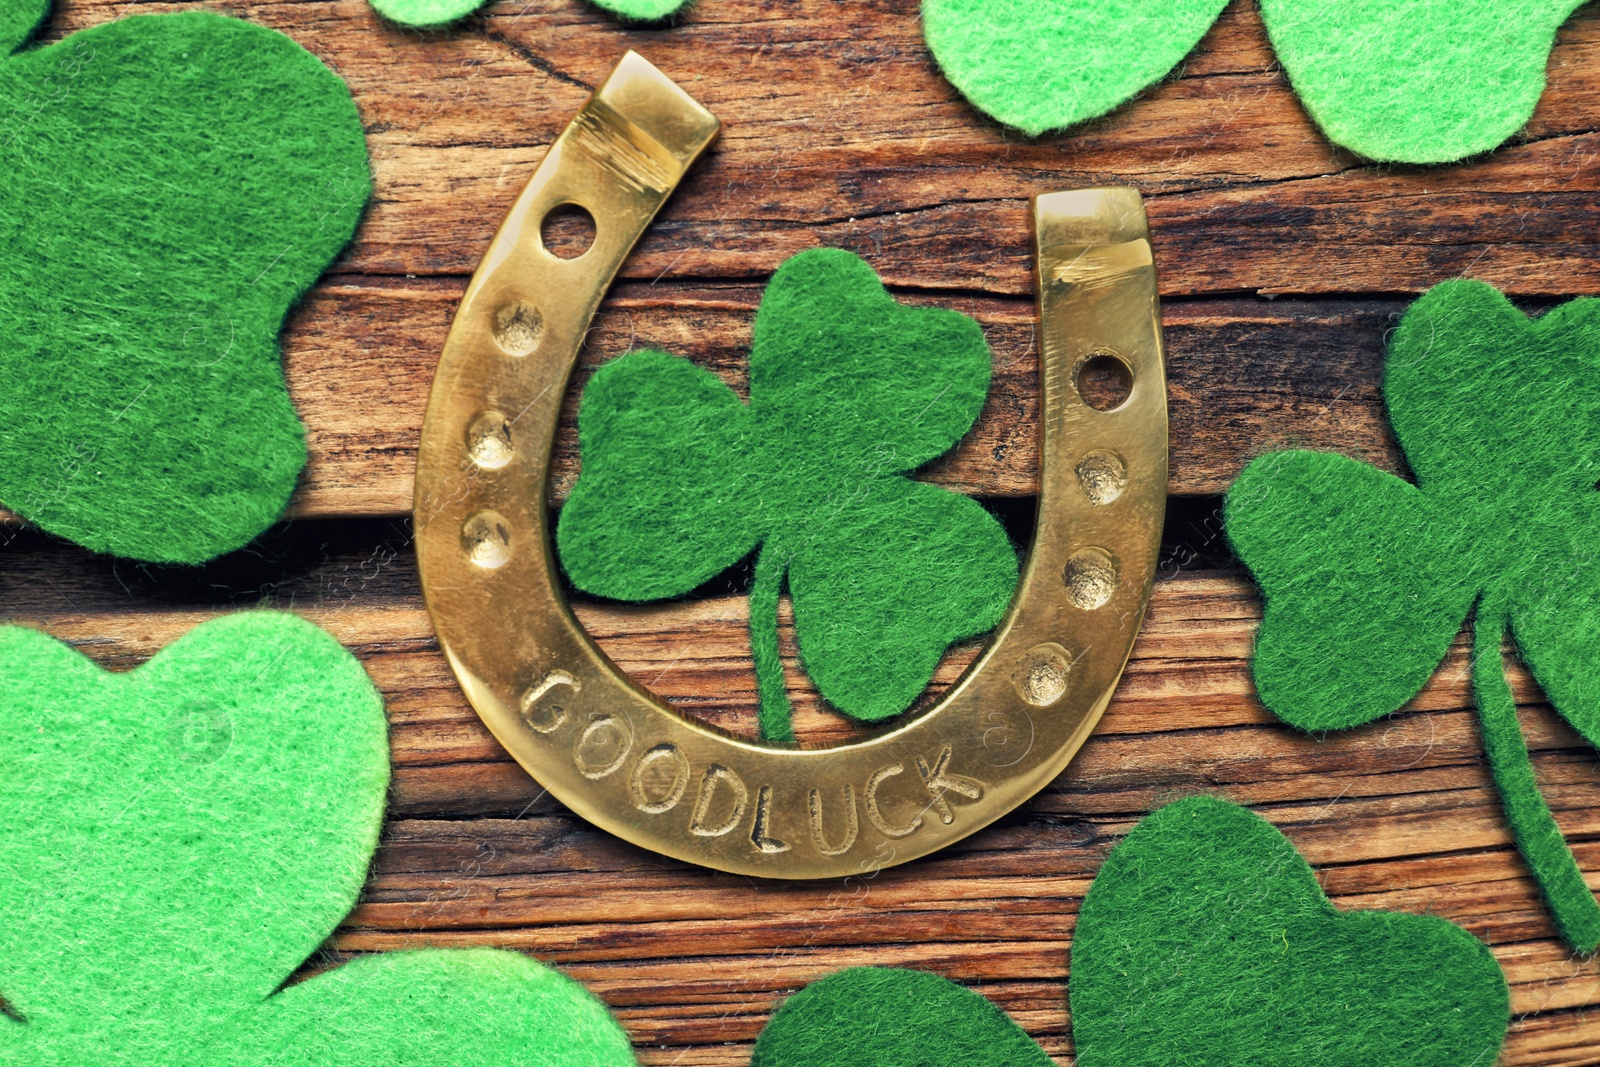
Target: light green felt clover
1205,940
172,185
1418,81
428,14
1367,577
1045,64
179,839
849,391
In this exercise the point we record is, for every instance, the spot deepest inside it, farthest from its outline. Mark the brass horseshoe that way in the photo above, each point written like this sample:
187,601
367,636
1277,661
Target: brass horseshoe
601,743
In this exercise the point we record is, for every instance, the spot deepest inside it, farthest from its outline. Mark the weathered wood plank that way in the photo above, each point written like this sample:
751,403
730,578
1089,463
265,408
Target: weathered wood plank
1401,814
885,159
1245,376
839,130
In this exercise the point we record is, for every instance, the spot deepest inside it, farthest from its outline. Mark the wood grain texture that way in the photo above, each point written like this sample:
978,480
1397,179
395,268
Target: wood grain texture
840,131
1244,377
1400,814
1283,261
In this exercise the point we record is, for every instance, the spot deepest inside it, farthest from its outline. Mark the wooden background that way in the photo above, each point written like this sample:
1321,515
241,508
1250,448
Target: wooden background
1284,261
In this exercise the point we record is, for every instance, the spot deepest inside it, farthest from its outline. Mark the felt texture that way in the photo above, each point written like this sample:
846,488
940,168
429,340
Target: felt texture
427,14
849,391
1417,81
18,18
173,184
1368,578
886,1017
642,10
1044,65
179,839
1205,941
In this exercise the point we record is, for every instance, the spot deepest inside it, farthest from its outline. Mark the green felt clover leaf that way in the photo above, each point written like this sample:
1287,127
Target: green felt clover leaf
887,1017
173,184
429,14
849,391
1418,81
179,840
1046,64
425,14
1368,578
1206,940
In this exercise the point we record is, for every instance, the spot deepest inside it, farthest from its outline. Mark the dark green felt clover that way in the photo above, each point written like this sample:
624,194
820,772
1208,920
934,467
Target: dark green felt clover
179,839
1205,940
887,1017
172,185
1368,577
849,391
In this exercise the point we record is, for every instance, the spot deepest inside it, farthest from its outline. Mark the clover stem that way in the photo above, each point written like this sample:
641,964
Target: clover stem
775,714
1571,904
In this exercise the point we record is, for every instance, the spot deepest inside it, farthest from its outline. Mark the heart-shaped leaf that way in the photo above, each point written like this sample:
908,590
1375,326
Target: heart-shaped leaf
887,1017
144,810
1493,407
1206,940
1419,81
1046,64
1361,602
849,391
179,839
646,521
1367,577
173,184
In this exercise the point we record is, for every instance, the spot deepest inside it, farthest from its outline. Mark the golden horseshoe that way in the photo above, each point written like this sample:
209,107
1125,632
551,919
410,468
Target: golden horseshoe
601,743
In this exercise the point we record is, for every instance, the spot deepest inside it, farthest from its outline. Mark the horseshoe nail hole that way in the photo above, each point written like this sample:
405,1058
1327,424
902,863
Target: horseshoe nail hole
486,539
1041,679
1104,380
489,440
1091,578
1103,476
567,231
517,328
